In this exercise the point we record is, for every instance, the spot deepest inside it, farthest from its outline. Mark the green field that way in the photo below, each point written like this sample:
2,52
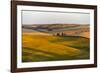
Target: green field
38,48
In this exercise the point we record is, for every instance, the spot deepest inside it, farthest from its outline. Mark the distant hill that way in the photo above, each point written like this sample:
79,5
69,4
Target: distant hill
67,29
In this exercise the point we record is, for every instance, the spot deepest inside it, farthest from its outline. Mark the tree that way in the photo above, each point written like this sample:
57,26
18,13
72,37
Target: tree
58,34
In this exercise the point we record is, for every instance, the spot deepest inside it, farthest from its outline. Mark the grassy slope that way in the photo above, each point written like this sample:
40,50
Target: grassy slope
50,48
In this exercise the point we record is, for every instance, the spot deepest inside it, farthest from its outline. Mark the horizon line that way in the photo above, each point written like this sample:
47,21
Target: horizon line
56,23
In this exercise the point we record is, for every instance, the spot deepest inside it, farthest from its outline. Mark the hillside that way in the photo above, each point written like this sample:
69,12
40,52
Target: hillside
54,29
50,48
51,42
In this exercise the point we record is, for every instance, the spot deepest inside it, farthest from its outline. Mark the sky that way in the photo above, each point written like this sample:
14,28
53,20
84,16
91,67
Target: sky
44,17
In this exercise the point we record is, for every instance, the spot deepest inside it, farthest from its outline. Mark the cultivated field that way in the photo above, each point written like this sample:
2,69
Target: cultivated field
53,42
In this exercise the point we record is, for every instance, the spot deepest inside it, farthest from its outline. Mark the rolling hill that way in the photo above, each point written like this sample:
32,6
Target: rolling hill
41,44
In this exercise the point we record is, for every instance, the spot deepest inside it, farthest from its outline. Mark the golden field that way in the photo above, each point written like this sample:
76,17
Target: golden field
38,46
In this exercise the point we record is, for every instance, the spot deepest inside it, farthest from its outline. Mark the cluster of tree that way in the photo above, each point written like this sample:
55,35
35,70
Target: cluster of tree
60,34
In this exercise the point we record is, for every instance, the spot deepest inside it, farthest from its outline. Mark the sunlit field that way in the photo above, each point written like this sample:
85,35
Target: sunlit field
39,46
